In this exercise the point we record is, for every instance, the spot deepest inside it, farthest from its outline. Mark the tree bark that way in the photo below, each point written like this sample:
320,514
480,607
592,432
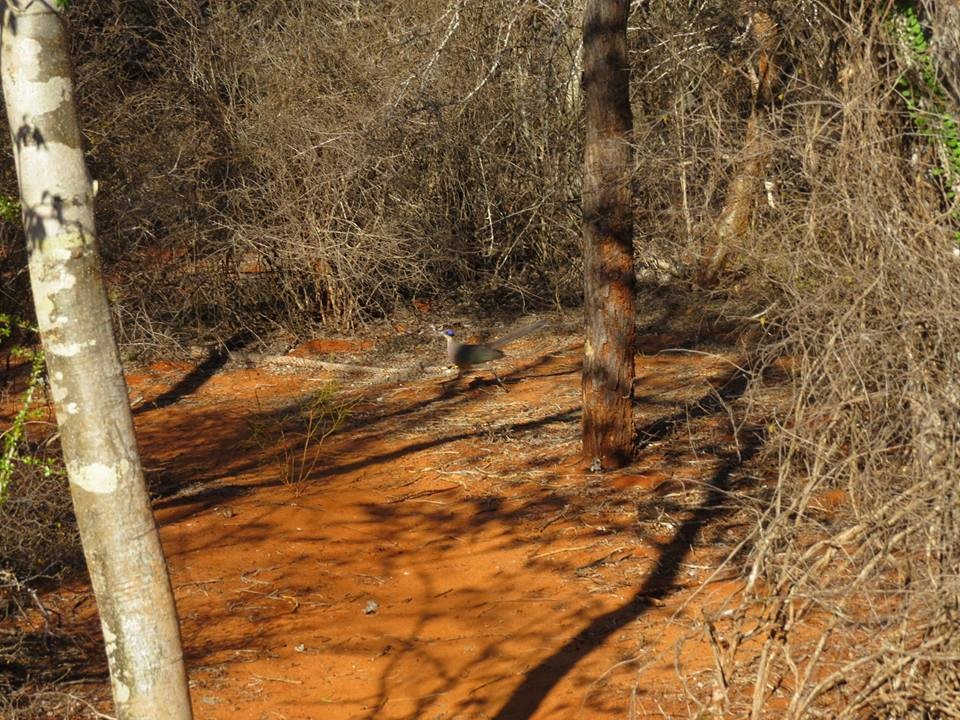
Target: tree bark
944,17
609,275
116,525
734,220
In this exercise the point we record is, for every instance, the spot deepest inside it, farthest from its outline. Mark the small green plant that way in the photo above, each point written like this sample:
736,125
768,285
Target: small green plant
301,433
925,100
9,209
13,438
319,417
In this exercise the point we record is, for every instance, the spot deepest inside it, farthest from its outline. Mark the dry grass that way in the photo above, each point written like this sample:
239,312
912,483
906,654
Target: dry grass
851,600
289,163
38,543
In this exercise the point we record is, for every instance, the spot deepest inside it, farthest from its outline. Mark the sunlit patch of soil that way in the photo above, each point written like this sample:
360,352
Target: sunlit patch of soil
444,553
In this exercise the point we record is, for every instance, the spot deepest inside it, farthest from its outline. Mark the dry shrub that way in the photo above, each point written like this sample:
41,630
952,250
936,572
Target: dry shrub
420,150
38,542
39,535
157,148
289,162
852,599
38,532
692,96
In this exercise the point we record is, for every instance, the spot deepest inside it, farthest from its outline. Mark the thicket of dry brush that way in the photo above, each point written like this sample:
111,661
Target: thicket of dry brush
852,601
287,162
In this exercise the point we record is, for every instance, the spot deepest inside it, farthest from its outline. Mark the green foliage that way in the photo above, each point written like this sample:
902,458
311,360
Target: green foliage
925,99
9,208
300,434
319,417
13,438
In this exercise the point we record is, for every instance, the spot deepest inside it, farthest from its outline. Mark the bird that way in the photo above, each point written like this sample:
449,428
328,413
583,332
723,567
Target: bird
466,355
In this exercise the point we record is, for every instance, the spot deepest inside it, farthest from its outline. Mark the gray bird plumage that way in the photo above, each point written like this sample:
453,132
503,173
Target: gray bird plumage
466,355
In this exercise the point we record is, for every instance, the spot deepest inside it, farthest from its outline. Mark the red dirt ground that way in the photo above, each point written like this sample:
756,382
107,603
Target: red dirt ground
443,553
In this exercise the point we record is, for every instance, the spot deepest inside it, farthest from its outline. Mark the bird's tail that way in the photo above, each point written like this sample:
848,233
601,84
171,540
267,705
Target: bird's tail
519,333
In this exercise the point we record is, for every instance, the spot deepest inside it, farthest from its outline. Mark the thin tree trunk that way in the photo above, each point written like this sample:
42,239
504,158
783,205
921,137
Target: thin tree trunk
944,17
117,528
609,275
734,220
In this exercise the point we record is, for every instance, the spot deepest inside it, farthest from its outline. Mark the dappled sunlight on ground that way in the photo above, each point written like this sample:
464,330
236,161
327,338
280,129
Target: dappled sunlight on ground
444,553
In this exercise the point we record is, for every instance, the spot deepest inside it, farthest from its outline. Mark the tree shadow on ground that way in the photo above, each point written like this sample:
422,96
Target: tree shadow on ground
192,479
194,380
348,535
538,682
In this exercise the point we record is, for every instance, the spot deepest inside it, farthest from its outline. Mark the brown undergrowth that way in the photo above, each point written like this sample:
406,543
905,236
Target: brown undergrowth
851,596
440,159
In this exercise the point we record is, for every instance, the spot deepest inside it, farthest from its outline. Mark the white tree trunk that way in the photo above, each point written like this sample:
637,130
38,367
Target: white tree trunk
116,525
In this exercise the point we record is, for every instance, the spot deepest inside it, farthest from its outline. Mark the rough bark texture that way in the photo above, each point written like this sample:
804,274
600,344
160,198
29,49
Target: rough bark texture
116,525
609,275
944,16
745,188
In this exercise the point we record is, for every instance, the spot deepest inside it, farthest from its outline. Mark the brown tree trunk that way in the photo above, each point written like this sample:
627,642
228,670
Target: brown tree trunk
609,275
745,188
944,17
117,529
